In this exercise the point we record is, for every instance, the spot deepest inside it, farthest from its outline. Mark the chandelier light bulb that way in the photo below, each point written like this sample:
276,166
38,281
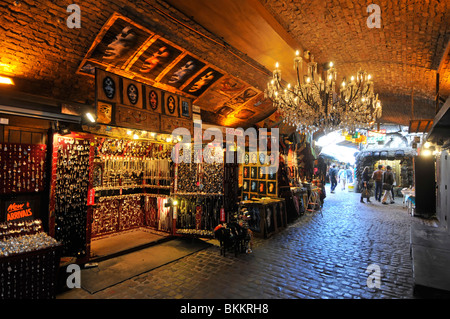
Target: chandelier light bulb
331,64
297,53
352,78
369,76
277,65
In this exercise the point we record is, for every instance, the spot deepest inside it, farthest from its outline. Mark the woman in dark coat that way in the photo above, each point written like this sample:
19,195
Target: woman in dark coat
365,180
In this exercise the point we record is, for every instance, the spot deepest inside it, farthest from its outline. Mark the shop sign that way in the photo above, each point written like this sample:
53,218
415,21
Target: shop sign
91,197
376,136
19,210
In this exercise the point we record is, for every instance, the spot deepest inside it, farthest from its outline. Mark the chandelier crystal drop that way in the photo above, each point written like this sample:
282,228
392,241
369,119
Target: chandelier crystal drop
314,103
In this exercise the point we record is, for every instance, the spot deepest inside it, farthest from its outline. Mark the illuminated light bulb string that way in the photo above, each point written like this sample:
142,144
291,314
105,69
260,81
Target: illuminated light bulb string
314,103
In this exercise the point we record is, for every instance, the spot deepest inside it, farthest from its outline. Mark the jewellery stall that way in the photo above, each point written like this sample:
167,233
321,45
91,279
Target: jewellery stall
115,177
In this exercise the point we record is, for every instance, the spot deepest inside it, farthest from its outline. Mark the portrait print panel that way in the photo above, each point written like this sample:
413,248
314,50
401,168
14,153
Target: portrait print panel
120,42
155,59
202,82
182,71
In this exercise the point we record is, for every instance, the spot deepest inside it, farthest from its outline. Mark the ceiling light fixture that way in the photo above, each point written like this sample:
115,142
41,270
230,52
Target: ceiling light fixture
317,102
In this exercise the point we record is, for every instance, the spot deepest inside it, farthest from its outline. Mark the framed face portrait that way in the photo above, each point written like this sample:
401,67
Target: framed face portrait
246,185
155,59
107,86
118,41
181,72
154,99
132,93
254,186
262,187
202,82
254,173
170,104
272,188
246,172
104,112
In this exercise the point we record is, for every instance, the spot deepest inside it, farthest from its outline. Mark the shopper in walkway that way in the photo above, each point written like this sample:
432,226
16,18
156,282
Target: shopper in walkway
349,174
388,181
342,177
366,186
395,184
377,176
333,177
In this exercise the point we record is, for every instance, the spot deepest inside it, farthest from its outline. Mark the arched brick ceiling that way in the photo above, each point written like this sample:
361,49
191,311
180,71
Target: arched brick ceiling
403,55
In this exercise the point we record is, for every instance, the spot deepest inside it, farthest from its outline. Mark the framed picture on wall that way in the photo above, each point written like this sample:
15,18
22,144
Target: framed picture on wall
171,104
254,172
185,107
254,186
272,173
271,188
262,172
246,172
262,187
246,185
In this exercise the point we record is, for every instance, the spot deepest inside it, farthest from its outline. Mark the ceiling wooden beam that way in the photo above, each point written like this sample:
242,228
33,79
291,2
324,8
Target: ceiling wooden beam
277,27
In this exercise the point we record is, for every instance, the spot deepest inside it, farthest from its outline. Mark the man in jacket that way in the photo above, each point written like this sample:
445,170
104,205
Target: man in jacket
388,181
333,177
377,176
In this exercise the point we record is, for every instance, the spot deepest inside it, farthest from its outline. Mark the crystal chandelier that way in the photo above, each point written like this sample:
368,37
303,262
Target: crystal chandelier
314,103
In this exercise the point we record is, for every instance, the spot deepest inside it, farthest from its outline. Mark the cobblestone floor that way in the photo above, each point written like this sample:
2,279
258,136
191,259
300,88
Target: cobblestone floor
316,257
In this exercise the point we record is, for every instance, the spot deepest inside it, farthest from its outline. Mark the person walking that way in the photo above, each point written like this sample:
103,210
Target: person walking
366,189
342,177
395,184
377,176
333,177
388,181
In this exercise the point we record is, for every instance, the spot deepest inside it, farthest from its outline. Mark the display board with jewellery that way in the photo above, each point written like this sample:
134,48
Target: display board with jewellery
71,168
28,252
22,167
199,191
